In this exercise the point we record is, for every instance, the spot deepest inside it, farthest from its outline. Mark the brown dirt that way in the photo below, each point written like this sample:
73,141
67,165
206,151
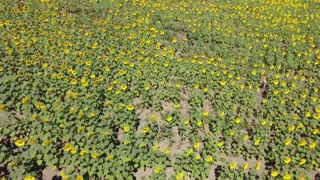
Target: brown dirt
184,109
169,172
207,106
142,174
49,174
144,115
167,107
179,144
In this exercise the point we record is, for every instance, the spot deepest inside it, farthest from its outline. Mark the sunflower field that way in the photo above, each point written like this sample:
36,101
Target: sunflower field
142,89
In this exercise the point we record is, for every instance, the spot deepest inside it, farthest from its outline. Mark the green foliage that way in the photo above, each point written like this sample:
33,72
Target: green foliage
101,89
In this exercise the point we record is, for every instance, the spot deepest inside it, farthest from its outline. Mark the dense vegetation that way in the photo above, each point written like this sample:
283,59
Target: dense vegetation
103,89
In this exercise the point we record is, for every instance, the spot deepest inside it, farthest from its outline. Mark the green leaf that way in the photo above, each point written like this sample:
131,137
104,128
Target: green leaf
136,165
54,161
